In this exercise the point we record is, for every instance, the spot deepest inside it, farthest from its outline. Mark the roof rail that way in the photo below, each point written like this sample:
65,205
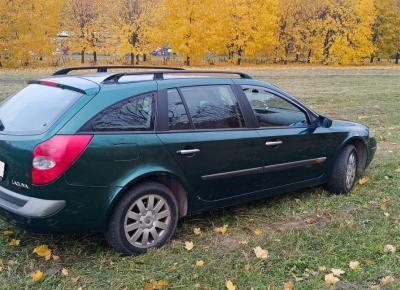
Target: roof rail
101,69
159,75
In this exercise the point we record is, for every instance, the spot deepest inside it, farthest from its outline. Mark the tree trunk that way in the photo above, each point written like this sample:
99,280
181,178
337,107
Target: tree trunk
83,56
297,57
132,58
371,60
144,57
309,56
95,57
397,57
187,62
239,60
137,58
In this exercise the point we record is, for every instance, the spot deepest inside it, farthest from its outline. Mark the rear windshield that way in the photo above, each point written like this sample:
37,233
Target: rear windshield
34,109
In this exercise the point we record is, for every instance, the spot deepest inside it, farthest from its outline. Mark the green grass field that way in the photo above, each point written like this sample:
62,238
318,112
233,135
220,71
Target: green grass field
303,231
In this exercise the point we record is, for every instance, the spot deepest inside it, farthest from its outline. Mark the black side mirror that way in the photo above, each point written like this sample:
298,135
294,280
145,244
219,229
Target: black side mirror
322,121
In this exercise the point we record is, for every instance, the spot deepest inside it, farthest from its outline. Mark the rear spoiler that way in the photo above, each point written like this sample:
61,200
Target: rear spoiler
57,85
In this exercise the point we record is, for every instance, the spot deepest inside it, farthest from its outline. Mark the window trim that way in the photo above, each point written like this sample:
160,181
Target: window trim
116,132
279,95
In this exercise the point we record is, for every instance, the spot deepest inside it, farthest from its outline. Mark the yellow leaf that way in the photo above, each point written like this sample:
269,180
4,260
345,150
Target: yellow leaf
289,285
8,233
37,276
331,280
397,170
258,232
337,272
222,230
368,262
43,251
261,253
189,246
199,263
390,248
229,285
387,280
322,269
156,285
247,267
244,242
363,180
64,271
354,265
197,231
14,242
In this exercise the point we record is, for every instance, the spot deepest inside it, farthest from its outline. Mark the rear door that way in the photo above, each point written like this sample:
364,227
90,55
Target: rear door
204,129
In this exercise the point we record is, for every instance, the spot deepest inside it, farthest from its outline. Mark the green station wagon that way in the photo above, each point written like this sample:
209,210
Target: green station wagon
129,153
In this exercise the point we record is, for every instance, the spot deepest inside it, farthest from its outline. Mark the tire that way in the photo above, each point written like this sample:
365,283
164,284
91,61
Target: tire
344,172
133,219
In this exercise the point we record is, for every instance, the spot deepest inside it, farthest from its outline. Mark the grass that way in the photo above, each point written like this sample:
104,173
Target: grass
302,230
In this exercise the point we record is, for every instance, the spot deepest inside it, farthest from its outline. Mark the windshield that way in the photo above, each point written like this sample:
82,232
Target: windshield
34,109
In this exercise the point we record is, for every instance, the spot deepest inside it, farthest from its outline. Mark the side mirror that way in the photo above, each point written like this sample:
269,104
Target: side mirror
322,121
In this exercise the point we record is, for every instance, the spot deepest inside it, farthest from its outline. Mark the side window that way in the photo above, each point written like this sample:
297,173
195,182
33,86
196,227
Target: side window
213,107
132,114
177,115
273,111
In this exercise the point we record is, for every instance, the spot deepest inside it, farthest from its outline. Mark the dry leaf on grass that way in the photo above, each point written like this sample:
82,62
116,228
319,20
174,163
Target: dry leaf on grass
43,251
354,265
387,280
244,242
363,180
258,232
64,271
337,272
261,253
397,170
14,242
330,279
221,230
229,285
390,249
199,263
8,233
156,285
289,285
197,231
37,276
368,262
189,246
55,258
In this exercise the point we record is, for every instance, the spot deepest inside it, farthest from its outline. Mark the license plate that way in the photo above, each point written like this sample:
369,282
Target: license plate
2,165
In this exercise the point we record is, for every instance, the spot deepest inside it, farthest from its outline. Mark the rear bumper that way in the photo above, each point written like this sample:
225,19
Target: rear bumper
26,206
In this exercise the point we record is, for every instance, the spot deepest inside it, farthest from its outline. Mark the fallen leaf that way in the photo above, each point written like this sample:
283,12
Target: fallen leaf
337,272
8,233
199,263
75,279
14,243
322,269
37,276
397,170
375,287
363,180
197,231
258,232
390,248
55,258
189,246
384,206
261,253
222,230
289,285
229,285
331,280
387,280
244,242
43,251
354,265
64,271
386,214
368,262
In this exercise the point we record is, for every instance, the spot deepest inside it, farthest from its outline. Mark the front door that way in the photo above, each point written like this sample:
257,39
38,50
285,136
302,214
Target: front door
291,151
208,138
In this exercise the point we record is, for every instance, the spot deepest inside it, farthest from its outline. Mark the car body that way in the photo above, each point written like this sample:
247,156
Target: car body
210,139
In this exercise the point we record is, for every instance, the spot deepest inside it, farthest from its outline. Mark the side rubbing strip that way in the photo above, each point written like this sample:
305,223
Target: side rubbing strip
269,168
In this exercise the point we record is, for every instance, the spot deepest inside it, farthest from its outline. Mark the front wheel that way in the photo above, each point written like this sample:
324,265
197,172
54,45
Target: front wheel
145,217
344,173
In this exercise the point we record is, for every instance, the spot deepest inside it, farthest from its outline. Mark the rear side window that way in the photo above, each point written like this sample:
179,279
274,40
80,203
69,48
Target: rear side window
177,115
213,107
132,114
34,109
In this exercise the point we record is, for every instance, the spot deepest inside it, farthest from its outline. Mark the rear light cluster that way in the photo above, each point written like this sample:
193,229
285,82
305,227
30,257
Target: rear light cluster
54,156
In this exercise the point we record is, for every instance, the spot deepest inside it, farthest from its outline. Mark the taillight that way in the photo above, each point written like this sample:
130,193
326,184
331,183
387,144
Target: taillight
54,156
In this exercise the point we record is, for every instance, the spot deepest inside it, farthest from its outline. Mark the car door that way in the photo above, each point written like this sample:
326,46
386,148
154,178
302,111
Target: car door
290,149
205,131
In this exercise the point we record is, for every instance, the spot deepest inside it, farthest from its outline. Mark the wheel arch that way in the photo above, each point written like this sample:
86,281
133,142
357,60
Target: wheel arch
362,151
170,180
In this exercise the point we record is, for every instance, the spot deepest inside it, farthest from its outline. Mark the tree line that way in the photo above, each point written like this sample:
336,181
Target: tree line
278,31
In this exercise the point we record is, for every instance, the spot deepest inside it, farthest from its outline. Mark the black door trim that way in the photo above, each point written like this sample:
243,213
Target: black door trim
264,169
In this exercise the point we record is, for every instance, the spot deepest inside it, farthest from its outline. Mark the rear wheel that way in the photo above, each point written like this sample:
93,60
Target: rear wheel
344,173
146,217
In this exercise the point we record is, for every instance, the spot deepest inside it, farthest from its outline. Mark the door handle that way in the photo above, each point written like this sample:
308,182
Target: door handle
273,143
187,151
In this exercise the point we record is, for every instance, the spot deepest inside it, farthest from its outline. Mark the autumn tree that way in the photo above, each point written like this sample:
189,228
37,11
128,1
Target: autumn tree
84,22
